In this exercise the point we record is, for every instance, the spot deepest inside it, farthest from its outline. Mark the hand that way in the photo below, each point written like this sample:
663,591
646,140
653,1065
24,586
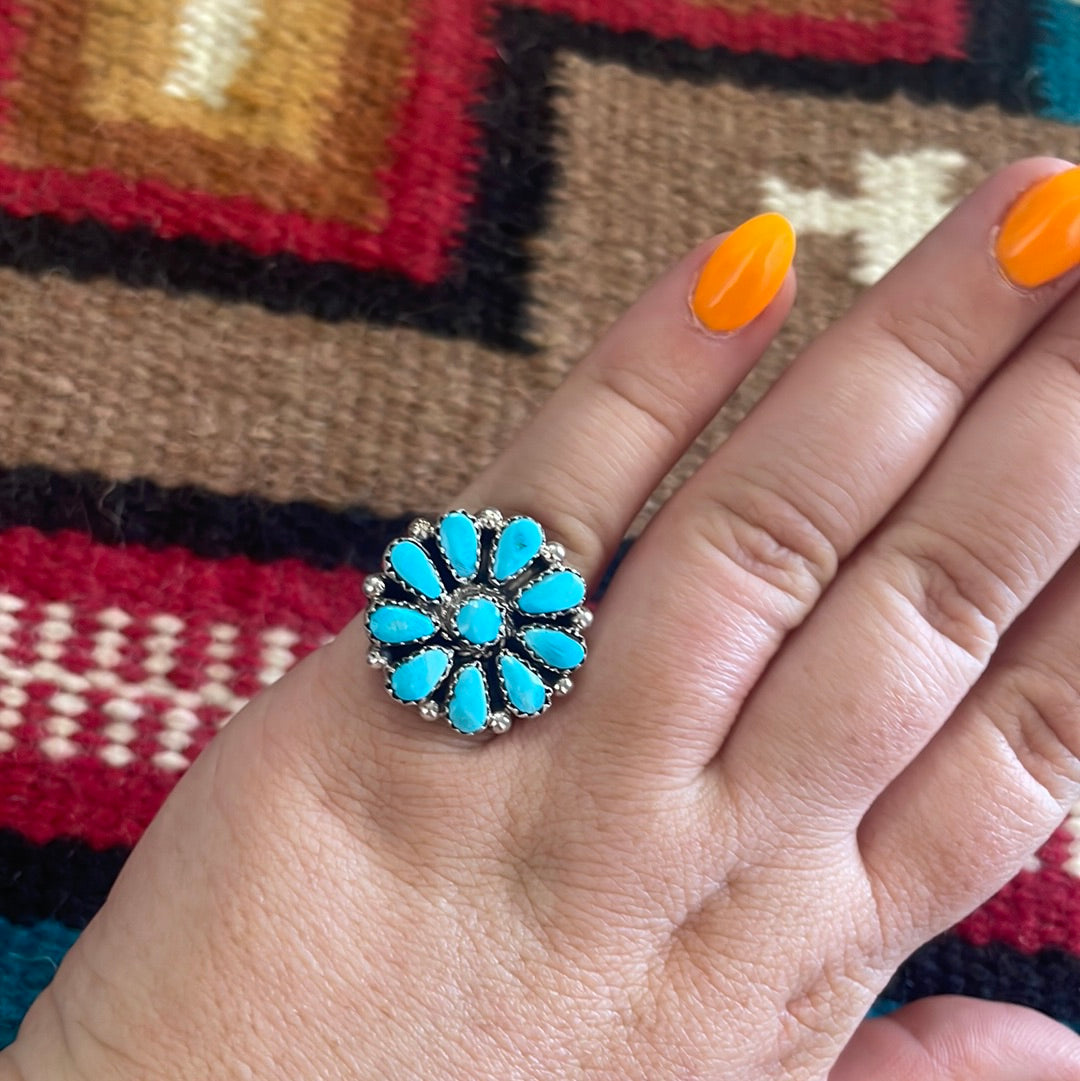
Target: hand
831,705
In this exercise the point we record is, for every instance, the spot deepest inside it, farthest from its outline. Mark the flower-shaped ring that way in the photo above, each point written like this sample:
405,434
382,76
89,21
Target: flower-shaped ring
476,619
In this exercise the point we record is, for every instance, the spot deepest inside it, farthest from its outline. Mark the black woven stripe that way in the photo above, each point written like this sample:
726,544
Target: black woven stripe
207,523
996,68
64,880
1048,981
484,296
204,522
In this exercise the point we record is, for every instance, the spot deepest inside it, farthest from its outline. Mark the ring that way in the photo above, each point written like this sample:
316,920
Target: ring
477,619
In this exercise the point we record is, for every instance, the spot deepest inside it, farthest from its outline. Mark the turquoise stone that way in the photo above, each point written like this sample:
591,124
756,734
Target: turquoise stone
394,624
468,706
554,647
479,621
417,677
524,687
553,593
459,541
414,567
519,542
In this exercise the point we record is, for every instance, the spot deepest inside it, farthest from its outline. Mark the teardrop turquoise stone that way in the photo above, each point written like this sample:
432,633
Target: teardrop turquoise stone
468,707
479,621
394,624
524,687
554,647
413,566
519,543
553,593
457,534
417,677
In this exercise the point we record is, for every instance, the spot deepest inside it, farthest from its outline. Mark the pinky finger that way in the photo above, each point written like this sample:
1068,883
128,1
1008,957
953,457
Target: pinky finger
993,784
949,1038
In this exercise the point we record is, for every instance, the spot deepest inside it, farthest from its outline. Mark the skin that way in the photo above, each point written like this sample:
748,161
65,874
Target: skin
843,650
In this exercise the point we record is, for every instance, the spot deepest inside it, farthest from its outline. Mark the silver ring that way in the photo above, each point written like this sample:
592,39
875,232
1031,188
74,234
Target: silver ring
476,619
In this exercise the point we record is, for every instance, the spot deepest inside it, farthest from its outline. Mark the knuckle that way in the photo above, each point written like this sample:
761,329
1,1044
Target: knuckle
579,524
757,529
1035,705
938,338
807,1019
1060,343
950,588
658,404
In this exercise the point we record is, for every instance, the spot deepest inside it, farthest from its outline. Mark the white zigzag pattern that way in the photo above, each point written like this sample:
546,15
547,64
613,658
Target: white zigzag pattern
124,704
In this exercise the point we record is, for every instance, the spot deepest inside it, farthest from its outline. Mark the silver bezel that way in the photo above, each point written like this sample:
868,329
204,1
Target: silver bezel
550,572
487,696
390,670
379,605
490,568
511,708
519,637
458,599
389,571
442,550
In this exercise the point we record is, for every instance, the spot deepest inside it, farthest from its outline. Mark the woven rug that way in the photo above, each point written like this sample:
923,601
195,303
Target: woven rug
275,274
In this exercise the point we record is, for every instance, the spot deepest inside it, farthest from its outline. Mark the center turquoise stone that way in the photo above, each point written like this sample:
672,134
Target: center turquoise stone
479,621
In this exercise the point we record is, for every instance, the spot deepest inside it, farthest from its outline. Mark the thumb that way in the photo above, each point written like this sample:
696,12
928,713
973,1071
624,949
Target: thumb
950,1038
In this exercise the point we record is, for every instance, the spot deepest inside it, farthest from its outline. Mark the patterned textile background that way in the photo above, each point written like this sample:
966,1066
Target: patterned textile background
276,273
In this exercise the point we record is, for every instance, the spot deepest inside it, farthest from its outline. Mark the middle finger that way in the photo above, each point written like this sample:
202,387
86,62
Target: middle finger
741,554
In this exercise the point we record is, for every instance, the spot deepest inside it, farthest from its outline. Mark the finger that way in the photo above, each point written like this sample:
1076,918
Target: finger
950,1038
741,554
997,779
609,434
598,447
915,616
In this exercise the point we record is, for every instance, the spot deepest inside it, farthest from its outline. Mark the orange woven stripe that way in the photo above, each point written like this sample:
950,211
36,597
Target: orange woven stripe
348,129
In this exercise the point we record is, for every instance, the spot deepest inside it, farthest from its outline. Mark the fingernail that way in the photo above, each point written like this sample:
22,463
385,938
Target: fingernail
744,273
1040,237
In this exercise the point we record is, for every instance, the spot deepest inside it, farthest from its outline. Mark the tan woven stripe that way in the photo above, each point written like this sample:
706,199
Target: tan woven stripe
231,397
343,129
182,390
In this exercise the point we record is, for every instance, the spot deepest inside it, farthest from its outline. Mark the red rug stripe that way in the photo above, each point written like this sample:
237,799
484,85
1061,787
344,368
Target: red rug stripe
428,186
1036,910
82,796
918,30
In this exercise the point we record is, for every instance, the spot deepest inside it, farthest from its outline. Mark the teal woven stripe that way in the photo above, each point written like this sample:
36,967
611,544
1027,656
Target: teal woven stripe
883,1006
887,1005
1057,58
28,959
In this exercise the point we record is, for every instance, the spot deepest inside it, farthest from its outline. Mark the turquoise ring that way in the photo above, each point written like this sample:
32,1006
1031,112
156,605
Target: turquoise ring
476,619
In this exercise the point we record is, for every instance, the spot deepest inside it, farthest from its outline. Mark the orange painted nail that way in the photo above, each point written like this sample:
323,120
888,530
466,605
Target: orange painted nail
744,273
1040,237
